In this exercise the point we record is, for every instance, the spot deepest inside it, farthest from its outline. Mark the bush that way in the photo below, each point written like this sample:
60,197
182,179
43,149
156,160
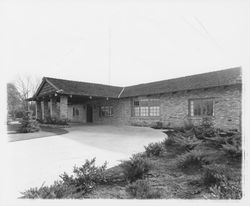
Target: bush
57,190
86,177
154,149
135,168
214,174
205,129
28,124
232,147
226,190
83,180
192,159
141,189
182,142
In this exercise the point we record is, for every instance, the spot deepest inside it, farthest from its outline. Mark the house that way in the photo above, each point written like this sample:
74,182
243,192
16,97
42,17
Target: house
171,102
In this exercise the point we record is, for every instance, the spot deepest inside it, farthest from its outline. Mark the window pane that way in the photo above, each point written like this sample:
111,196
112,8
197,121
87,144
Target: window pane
154,111
144,111
137,111
201,107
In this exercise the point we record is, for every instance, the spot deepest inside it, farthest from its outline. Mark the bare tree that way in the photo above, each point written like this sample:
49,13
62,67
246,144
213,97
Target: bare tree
27,87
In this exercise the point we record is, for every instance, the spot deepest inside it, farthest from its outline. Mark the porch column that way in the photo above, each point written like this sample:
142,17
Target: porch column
38,110
46,109
63,107
53,108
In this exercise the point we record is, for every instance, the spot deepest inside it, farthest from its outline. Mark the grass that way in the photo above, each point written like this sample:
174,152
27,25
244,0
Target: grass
189,169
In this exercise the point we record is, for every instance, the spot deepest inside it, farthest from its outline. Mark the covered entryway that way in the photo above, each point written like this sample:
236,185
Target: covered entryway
89,113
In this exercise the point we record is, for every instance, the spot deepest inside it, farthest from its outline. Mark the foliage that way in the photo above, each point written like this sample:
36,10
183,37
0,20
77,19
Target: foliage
135,168
214,174
194,158
28,124
205,129
154,149
83,180
86,177
141,189
232,147
57,190
55,121
13,100
182,142
226,190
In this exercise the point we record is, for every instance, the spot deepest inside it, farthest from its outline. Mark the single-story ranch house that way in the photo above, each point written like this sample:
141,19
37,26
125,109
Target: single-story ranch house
170,102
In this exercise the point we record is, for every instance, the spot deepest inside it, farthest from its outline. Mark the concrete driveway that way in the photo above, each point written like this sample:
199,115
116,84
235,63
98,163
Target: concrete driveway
34,162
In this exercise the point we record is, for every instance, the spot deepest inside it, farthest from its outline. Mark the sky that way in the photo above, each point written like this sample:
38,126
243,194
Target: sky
121,42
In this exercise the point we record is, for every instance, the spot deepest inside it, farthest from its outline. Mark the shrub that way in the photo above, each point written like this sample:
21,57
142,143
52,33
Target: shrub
192,159
185,143
85,177
83,180
205,129
232,147
214,174
154,149
57,190
141,189
168,142
135,168
226,190
28,124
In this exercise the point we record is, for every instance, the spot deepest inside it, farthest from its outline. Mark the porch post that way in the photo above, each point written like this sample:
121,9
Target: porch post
63,107
38,110
46,109
53,108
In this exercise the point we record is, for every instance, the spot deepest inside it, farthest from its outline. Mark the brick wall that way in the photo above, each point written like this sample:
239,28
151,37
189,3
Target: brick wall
174,108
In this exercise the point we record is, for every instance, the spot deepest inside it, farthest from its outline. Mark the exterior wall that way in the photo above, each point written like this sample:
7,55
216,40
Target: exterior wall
63,107
82,113
174,108
121,108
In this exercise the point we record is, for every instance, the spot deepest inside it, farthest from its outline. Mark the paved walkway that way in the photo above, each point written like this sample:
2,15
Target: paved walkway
32,162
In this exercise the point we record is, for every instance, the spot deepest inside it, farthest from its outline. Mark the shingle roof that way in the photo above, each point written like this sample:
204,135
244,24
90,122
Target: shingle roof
84,88
205,80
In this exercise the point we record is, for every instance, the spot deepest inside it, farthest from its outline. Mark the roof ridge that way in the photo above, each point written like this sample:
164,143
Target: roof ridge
82,82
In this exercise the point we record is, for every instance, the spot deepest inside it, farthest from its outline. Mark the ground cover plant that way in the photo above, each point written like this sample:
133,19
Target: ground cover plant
185,165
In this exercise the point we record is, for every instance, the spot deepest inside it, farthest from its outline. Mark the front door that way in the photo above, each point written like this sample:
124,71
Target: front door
89,113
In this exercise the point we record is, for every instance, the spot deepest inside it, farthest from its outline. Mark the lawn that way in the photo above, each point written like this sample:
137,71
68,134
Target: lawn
13,135
182,166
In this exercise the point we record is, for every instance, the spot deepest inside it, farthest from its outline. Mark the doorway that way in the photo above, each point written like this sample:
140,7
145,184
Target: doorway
89,113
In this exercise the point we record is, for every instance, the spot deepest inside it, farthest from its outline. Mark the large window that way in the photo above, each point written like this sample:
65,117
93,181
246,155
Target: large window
106,111
201,107
146,107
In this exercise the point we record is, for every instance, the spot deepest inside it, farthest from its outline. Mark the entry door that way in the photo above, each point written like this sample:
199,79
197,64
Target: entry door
89,113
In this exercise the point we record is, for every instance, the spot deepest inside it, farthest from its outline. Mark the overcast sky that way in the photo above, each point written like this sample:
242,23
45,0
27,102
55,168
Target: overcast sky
121,42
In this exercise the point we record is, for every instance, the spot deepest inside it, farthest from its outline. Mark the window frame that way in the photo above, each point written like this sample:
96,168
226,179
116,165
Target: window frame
142,107
106,109
202,100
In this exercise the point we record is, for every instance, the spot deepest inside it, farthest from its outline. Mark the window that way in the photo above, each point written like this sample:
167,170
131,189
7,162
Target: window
75,112
106,111
154,111
144,111
201,107
146,107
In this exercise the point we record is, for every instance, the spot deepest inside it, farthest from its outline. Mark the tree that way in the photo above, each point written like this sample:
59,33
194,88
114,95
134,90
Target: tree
27,87
13,99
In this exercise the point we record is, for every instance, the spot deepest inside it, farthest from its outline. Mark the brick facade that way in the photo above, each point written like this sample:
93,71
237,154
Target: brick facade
174,108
